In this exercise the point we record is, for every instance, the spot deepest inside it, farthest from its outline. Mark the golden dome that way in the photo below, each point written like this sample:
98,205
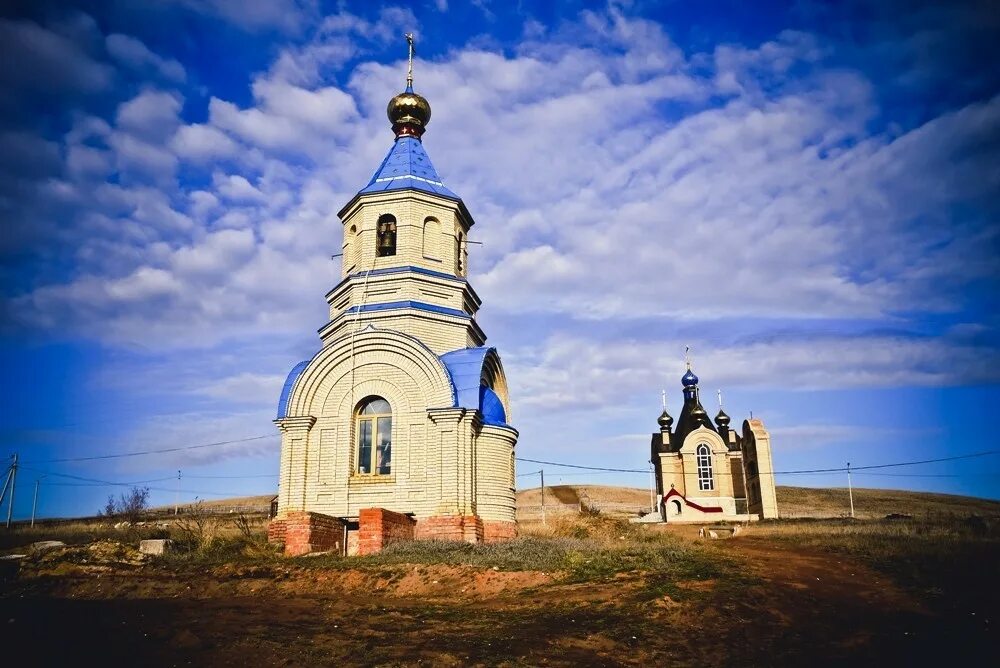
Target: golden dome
409,113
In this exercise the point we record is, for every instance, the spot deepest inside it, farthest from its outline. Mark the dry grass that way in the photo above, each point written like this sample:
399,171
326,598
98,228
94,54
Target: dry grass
216,529
794,502
947,557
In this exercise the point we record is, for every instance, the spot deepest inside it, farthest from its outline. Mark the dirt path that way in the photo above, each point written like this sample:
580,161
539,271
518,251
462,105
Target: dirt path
796,607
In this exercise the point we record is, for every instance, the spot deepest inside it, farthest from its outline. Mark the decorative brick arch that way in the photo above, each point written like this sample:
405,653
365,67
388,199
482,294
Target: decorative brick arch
330,369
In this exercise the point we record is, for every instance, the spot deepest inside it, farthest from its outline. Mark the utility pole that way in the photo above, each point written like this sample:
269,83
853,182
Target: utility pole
850,489
6,483
177,494
542,473
652,488
34,501
13,484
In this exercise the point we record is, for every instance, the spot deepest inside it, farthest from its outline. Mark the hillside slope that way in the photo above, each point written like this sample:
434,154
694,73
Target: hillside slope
792,501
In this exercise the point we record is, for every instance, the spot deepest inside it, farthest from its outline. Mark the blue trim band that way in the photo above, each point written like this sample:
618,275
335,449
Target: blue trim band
409,267
409,303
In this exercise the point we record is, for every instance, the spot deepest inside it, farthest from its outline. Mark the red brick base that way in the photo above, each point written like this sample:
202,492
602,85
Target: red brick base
465,528
378,527
498,532
305,532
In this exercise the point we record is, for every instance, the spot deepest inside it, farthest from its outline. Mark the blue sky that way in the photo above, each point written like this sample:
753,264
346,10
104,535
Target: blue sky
805,193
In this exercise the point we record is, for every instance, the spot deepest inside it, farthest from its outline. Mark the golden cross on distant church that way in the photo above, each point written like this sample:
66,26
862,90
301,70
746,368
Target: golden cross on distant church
409,70
687,356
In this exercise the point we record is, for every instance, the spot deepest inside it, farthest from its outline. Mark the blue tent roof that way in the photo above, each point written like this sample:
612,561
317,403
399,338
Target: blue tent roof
286,389
407,166
465,366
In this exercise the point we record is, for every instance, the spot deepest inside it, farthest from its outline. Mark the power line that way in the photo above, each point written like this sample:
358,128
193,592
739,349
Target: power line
577,466
934,475
799,472
153,452
232,477
886,466
93,480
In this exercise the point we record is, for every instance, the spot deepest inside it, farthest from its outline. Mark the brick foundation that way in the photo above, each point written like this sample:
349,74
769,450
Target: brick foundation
378,527
498,532
276,531
305,532
465,528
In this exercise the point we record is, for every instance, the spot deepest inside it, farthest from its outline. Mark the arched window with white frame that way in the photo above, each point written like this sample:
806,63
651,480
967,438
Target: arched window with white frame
704,461
373,425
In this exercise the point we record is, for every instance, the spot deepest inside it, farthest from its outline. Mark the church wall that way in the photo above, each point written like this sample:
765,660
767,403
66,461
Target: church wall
767,493
736,475
495,473
318,460
672,467
440,333
401,286
723,482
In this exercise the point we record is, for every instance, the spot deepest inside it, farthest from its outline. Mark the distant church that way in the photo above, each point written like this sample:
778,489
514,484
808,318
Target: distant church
706,472
399,427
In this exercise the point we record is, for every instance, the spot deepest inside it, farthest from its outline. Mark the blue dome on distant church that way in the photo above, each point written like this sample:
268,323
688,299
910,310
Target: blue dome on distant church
689,379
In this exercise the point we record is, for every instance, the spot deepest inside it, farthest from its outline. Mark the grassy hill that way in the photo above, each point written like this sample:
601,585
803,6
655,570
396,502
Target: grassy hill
793,502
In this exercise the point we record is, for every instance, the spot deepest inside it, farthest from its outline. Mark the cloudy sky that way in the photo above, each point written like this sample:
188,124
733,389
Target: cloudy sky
805,193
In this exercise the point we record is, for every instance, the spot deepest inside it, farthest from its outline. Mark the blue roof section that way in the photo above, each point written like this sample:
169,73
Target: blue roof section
492,407
465,367
407,165
286,389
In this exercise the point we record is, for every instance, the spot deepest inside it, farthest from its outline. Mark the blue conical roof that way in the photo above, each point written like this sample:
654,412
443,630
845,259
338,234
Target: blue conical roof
407,166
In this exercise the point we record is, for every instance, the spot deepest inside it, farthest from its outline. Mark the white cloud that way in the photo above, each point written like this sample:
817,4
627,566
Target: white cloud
152,115
572,371
683,188
132,53
202,143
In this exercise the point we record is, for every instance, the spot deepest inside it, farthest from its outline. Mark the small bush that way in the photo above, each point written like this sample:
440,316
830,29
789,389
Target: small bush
129,506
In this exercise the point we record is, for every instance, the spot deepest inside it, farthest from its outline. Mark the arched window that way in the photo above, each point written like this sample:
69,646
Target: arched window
385,235
458,254
432,239
675,507
373,424
351,251
705,481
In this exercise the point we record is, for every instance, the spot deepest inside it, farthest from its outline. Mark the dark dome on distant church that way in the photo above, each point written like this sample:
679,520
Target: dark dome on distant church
689,379
665,419
722,419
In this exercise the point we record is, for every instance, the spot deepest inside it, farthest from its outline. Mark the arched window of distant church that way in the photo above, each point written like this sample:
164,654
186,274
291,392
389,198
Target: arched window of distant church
385,235
432,237
458,254
373,425
704,461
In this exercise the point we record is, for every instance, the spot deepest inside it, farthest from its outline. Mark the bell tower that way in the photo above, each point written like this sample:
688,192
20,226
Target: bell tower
405,259
399,427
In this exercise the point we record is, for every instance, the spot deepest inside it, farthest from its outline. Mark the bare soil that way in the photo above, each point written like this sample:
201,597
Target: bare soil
795,606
